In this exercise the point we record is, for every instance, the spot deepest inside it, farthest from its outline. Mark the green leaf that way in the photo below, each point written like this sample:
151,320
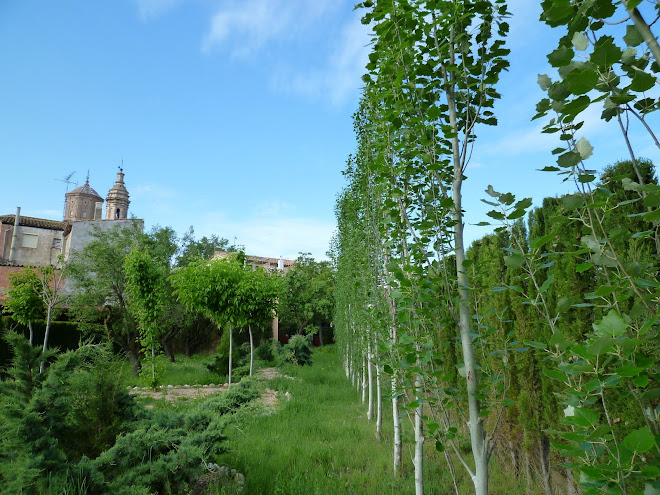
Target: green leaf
628,371
652,216
569,159
651,488
586,417
641,380
582,267
612,324
605,53
496,215
642,81
580,41
561,56
515,214
573,201
560,376
601,346
584,148
541,241
581,81
544,81
546,285
533,343
639,440
633,36
514,261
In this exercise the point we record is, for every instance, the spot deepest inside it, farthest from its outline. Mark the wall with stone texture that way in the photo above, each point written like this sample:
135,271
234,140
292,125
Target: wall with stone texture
82,232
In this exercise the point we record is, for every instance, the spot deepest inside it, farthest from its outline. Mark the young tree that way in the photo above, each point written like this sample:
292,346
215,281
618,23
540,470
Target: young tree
53,295
306,301
99,287
146,286
257,297
212,288
25,303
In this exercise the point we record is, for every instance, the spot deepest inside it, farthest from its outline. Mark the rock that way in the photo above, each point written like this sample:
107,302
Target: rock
170,386
187,386
136,388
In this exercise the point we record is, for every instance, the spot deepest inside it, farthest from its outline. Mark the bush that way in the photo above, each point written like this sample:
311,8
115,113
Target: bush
75,429
269,351
298,351
50,420
220,362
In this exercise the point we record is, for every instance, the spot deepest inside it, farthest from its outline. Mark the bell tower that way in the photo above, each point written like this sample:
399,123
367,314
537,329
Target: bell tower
117,200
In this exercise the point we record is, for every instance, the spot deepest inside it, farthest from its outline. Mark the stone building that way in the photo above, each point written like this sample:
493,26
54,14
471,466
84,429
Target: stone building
39,241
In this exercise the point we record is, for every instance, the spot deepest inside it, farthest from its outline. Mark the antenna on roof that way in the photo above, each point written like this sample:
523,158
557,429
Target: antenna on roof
68,181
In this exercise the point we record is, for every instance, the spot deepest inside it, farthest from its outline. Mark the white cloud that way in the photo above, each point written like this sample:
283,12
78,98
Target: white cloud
342,72
274,235
153,8
246,25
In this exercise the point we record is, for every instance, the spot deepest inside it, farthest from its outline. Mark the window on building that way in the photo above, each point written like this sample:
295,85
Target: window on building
29,240
84,215
57,243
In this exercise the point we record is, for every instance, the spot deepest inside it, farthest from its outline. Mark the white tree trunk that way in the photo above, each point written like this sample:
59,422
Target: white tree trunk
46,335
419,439
31,332
370,378
379,403
153,366
251,349
364,378
231,349
396,422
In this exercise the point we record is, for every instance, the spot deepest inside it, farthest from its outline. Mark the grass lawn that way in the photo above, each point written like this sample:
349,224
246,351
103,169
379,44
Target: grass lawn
320,442
185,371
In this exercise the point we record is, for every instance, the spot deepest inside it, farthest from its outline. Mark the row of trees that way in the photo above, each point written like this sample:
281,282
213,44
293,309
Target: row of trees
141,291
539,335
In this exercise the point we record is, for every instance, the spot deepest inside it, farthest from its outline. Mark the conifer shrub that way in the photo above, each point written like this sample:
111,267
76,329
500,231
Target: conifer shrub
220,362
298,351
75,429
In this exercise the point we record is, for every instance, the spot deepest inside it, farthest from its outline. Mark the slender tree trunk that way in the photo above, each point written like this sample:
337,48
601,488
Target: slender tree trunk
321,335
370,387
251,349
379,403
153,366
31,332
46,335
419,439
364,378
231,351
645,31
477,438
396,420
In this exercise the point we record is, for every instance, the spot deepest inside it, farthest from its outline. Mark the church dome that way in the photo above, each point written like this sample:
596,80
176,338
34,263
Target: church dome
82,204
85,189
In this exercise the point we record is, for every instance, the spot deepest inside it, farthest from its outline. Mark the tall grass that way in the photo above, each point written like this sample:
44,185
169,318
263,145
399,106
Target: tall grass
185,371
320,442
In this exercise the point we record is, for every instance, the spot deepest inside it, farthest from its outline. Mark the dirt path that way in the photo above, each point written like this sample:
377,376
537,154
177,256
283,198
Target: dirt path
174,393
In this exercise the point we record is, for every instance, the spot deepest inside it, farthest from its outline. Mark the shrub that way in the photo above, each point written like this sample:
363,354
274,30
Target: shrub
298,351
220,362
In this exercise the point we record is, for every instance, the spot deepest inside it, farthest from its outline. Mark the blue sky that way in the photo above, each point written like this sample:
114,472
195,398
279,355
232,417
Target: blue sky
233,116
